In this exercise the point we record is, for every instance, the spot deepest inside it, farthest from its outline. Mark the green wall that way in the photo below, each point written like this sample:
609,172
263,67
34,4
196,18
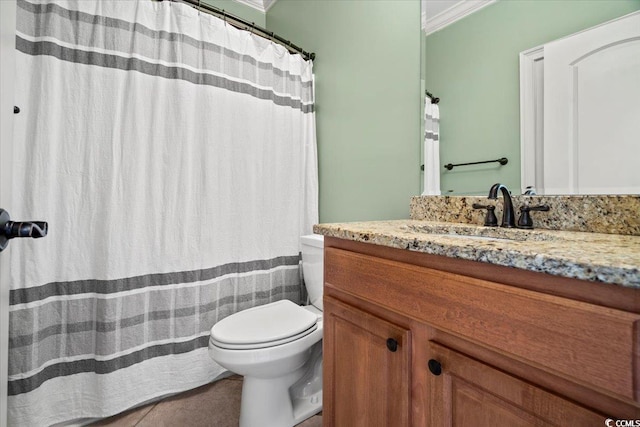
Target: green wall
473,66
241,10
368,99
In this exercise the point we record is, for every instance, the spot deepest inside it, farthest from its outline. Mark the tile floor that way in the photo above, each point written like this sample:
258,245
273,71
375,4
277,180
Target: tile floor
212,405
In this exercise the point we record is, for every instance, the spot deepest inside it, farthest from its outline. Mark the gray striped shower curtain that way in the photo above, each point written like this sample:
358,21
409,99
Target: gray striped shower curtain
174,158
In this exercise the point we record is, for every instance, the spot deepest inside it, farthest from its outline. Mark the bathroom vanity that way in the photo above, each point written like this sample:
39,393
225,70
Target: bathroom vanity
434,328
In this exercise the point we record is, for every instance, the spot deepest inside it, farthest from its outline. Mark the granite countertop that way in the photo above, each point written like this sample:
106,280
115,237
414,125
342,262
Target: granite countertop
597,257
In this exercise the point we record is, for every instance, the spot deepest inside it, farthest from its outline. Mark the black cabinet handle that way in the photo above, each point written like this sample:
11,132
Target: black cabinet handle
392,345
435,367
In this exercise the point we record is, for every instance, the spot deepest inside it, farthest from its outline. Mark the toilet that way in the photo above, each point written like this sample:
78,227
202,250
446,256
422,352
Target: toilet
277,347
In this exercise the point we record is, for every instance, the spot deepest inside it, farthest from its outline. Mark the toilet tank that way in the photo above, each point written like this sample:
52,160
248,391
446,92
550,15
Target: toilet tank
313,267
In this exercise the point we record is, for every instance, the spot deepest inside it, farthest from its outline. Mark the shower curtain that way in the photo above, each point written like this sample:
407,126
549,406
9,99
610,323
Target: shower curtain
174,158
431,148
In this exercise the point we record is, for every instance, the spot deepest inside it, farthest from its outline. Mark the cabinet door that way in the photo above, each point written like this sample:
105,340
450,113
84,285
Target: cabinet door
366,369
467,392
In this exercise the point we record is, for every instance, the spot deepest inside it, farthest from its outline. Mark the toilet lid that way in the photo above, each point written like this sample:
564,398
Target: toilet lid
264,326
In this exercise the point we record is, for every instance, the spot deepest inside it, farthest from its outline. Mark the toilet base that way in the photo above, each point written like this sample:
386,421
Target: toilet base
307,407
284,401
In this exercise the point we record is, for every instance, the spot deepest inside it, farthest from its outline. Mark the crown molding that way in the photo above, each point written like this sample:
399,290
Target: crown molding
261,5
268,4
452,14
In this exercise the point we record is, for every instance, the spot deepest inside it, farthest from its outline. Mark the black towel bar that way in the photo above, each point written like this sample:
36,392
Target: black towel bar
502,161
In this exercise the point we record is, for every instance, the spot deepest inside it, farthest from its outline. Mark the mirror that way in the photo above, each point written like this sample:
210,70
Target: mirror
472,65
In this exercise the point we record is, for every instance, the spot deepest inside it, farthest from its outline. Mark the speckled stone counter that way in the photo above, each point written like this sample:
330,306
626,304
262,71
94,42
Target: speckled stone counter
596,257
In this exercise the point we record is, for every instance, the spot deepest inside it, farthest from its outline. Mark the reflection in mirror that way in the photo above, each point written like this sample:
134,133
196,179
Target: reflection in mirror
472,65
586,89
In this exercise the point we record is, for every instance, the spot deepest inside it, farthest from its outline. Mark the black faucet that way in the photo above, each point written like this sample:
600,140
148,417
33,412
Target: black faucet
508,216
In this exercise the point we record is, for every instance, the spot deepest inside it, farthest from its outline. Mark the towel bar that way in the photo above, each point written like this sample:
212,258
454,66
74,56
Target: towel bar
502,161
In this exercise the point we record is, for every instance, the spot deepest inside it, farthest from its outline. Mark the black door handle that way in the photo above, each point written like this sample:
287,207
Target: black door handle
392,345
12,229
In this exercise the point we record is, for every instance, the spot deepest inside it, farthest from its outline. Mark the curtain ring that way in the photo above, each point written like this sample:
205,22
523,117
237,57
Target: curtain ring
252,27
224,17
199,7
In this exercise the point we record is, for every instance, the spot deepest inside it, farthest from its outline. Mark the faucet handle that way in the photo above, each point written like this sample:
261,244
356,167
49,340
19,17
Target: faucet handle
490,220
525,220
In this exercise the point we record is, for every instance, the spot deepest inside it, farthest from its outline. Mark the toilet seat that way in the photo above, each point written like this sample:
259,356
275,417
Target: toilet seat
264,326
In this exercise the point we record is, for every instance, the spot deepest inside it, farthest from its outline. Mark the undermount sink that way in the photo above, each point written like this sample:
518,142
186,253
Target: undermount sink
476,232
469,237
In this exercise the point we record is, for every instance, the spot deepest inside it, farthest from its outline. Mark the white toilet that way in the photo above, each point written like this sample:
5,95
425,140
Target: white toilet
277,347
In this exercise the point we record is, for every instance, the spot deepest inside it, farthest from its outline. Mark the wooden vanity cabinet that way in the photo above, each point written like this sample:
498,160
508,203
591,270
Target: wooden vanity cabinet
475,344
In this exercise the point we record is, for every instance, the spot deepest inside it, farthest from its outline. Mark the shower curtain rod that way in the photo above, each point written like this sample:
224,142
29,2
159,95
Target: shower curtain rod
243,24
434,99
